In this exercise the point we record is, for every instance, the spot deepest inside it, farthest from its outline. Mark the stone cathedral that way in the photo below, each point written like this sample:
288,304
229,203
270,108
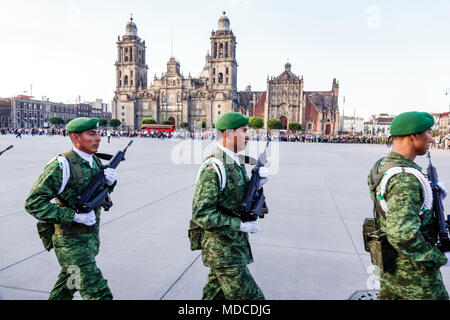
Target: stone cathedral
213,92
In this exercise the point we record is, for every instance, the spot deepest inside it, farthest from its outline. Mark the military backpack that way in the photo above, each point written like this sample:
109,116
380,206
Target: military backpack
68,163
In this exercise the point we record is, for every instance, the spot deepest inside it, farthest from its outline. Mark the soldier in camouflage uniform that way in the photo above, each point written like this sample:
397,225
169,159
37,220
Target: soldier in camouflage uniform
410,229
224,238
74,236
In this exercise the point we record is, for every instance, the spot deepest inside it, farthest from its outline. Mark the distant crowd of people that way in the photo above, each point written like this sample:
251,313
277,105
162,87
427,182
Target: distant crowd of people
210,135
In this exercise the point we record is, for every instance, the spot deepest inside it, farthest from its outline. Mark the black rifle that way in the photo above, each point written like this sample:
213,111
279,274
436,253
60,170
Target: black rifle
254,205
443,242
1,152
96,193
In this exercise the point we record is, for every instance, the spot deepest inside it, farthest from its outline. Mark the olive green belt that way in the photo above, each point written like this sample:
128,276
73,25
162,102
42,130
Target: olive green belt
75,228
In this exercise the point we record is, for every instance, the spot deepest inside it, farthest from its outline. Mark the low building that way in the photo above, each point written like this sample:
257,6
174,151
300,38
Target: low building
353,125
379,125
58,109
444,123
27,112
5,112
100,109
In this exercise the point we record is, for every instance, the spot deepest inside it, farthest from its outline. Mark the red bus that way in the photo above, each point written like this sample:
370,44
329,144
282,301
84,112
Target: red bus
157,127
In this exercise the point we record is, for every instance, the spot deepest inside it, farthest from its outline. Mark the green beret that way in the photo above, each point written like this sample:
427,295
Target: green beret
231,120
410,123
82,124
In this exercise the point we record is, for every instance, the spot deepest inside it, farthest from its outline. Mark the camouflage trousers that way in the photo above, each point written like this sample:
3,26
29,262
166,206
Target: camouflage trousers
412,282
87,279
231,283
76,255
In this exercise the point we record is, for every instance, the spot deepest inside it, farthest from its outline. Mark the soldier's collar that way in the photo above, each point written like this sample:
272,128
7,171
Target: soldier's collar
231,154
84,155
397,156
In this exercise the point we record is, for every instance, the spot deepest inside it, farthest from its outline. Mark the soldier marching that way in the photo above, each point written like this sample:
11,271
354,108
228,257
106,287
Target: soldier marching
404,213
73,235
224,239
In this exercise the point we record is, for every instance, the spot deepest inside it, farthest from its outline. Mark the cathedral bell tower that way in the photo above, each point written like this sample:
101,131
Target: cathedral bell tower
131,70
222,70
131,75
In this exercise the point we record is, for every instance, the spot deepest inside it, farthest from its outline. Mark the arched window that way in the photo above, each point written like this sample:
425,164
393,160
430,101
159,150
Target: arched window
220,78
226,70
126,81
221,50
226,49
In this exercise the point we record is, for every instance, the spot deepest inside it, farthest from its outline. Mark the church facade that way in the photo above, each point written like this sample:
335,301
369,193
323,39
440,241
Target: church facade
213,92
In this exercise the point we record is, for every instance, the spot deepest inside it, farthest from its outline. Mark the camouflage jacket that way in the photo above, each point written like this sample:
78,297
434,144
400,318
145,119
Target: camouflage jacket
408,232
47,186
223,244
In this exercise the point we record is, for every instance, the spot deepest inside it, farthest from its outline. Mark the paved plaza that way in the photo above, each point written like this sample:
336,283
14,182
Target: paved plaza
310,245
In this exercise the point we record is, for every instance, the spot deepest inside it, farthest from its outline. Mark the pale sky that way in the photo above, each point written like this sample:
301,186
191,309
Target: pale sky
388,56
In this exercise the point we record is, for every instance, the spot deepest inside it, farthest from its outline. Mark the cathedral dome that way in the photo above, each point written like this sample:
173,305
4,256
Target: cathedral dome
131,28
224,22
287,74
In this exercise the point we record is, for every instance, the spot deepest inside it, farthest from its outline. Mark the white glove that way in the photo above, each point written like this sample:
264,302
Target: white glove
249,226
442,189
110,176
85,218
264,175
447,254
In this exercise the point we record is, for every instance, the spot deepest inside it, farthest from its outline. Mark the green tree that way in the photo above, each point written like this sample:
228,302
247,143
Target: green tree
148,121
183,125
294,126
213,125
166,122
256,122
68,120
274,124
102,122
114,123
57,121
203,124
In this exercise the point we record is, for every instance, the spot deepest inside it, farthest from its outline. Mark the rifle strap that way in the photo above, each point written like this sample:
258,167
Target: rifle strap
247,160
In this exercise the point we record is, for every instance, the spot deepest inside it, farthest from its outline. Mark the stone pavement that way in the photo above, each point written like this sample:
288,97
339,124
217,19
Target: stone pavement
309,247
